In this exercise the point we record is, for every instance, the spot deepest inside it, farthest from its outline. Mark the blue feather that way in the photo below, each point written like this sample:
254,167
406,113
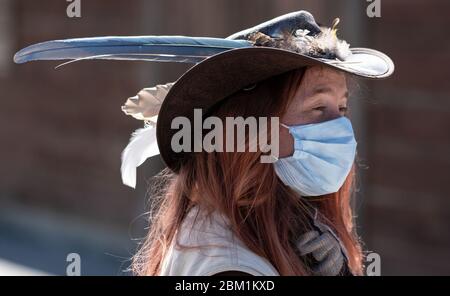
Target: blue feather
149,48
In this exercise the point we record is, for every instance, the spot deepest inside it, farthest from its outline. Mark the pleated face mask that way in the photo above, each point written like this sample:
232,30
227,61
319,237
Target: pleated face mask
323,157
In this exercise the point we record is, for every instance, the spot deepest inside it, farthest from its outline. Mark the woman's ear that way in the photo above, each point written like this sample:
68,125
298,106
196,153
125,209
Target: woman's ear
286,144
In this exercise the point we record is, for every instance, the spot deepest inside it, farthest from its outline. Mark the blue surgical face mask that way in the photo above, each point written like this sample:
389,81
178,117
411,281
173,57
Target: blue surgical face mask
323,157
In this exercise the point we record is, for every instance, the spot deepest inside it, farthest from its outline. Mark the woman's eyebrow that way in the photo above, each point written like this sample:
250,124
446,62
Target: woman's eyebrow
321,89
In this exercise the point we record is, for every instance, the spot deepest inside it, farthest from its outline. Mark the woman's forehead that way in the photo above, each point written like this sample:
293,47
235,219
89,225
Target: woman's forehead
322,74
323,79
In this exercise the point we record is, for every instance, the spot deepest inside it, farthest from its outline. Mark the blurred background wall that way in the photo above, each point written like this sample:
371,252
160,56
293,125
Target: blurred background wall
62,131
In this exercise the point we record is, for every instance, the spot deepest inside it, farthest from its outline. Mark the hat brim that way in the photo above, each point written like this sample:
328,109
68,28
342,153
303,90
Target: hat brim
223,74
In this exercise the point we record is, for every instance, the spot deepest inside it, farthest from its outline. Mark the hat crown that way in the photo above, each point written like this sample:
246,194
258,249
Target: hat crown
285,24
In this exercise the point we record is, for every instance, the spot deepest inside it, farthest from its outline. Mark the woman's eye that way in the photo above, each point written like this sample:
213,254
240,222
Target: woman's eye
320,108
343,109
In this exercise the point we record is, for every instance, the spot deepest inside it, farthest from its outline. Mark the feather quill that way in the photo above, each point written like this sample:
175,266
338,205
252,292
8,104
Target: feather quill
183,49
142,145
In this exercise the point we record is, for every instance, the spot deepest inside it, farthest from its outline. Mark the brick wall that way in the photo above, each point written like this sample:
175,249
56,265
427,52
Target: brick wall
407,212
62,130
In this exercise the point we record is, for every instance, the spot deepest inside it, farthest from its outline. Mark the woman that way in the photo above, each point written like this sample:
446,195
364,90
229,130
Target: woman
267,217
228,213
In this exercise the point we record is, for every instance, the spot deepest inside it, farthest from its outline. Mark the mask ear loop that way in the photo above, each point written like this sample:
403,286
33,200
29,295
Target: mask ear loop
274,157
283,125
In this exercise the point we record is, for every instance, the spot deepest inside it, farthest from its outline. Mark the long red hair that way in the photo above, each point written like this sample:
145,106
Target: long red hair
264,214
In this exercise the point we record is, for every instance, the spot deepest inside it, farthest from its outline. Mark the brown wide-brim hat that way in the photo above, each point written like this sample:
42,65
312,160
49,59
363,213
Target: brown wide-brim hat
222,67
216,78
223,74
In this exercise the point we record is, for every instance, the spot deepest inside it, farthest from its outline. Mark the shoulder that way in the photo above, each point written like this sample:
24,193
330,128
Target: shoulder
207,246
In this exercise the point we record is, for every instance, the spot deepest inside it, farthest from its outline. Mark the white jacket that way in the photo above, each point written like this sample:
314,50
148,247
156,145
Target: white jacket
220,250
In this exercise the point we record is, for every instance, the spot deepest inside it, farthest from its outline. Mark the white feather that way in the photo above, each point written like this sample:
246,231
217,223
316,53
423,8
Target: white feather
146,104
142,145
